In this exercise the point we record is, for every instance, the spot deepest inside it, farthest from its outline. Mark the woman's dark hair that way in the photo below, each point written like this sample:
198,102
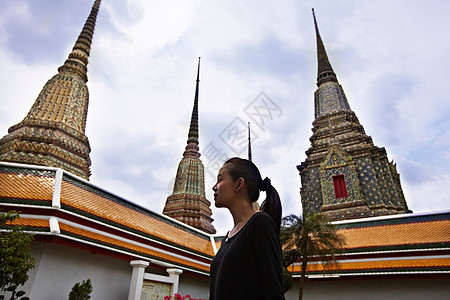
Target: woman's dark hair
239,167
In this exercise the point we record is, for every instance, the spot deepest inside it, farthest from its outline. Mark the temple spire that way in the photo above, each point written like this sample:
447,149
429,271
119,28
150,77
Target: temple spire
193,129
325,71
78,59
249,144
344,176
192,142
53,132
188,203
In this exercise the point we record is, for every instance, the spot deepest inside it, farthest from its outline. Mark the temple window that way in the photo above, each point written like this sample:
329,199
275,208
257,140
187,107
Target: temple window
340,189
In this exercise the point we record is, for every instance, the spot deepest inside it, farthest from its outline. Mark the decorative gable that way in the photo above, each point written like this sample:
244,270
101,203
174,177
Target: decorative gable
336,165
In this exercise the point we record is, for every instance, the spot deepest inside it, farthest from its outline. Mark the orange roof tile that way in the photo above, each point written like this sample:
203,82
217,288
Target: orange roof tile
364,239
376,265
18,186
97,205
102,239
218,244
22,184
30,222
373,246
397,234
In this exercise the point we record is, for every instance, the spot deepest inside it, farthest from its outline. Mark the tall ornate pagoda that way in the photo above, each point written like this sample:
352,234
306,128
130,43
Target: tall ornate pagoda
188,203
53,132
345,175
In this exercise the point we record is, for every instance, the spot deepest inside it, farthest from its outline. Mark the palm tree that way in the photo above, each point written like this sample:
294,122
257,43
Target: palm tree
309,236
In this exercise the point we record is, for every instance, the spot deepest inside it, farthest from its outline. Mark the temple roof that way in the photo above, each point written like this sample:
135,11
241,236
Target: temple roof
397,244
90,216
62,208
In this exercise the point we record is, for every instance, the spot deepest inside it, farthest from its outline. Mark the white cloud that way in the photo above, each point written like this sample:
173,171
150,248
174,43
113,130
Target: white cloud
389,57
432,196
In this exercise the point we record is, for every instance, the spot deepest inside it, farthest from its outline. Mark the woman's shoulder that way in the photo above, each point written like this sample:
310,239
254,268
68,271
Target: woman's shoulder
261,219
260,215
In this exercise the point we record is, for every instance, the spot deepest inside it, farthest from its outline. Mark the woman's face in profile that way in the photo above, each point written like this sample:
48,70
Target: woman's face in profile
224,189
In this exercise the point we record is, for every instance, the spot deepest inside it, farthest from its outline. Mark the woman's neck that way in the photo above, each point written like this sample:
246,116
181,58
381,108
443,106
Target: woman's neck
240,218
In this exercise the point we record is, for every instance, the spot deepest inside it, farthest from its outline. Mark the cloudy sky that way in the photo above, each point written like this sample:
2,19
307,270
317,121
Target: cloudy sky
391,58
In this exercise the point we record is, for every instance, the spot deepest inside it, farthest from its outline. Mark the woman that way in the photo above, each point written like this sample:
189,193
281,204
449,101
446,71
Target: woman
248,263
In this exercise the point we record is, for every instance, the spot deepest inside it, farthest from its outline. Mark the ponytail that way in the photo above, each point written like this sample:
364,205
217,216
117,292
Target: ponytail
272,204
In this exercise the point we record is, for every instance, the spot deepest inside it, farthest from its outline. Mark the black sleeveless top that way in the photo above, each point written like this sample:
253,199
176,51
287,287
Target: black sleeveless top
248,265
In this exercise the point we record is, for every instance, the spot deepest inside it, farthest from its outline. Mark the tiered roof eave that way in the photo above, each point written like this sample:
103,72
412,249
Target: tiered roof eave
60,207
99,221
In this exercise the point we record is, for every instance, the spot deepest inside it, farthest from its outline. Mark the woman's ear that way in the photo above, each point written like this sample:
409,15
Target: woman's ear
240,184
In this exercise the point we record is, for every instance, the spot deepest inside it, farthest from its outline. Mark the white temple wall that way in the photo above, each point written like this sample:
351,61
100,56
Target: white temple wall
59,267
194,286
375,289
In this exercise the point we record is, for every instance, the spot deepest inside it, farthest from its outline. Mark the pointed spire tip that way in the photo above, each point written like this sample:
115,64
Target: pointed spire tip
249,144
193,129
324,71
198,72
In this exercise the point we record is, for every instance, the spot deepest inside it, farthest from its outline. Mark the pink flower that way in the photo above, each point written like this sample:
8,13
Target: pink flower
179,297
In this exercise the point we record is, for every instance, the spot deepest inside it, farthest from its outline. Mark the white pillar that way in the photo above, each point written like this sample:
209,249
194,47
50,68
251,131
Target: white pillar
137,278
175,275
56,199
54,225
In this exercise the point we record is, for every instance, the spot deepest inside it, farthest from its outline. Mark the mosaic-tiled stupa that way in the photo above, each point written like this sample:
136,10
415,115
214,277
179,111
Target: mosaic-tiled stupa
53,132
345,175
188,203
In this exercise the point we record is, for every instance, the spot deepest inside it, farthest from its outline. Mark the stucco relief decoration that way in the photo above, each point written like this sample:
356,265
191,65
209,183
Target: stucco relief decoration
337,162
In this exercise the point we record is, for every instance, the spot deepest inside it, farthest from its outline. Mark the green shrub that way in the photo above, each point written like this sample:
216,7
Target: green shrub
15,256
81,291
